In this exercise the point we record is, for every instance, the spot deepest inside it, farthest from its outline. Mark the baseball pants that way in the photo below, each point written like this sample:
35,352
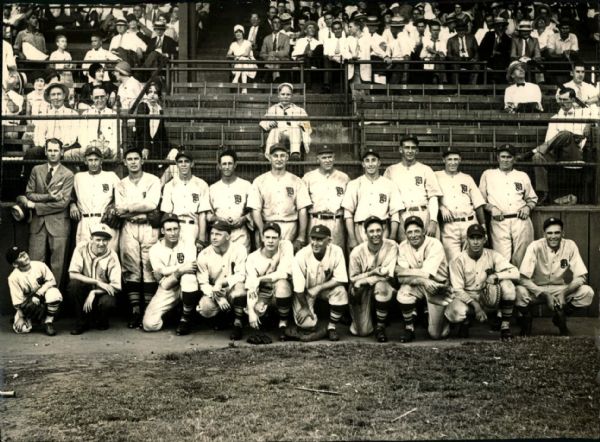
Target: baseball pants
294,134
510,238
188,232
457,310
166,299
361,302
84,228
269,293
529,292
337,296
101,308
454,237
438,327
135,243
208,307
338,231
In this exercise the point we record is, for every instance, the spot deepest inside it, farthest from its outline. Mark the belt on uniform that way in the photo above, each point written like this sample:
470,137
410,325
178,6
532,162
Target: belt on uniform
138,221
416,208
326,216
91,215
279,221
468,218
187,221
510,215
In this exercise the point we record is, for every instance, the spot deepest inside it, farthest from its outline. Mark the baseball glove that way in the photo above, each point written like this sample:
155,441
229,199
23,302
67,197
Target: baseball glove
259,339
110,218
490,296
154,218
33,311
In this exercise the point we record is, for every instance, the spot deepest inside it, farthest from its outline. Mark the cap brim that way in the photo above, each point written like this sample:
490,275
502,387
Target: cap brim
103,235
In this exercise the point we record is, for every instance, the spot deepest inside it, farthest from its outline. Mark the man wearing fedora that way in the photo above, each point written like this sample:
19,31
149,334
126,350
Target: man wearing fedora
126,44
160,46
521,94
524,47
400,49
495,49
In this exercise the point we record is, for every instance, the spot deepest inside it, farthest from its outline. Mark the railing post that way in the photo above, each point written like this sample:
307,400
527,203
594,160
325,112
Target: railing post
301,73
169,85
344,81
363,135
485,73
596,199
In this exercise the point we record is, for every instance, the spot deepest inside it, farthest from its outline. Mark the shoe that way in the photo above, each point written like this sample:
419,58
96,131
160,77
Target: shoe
506,335
407,335
49,329
79,329
183,328
495,323
332,334
380,334
463,330
526,325
282,335
560,320
236,334
135,321
102,325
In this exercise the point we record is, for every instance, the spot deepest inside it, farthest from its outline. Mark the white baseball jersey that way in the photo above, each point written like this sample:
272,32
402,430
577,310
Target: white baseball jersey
164,260
460,194
229,200
471,275
365,198
363,260
186,199
326,191
278,197
280,264
430,257
105,268
416,183
308,272
94,191
147,188
546,267
508,191
24,284
230,267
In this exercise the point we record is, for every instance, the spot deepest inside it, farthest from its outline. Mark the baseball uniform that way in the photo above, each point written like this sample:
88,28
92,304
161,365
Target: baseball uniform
228,200
326,194
298,132
461,196
509,192
365,198
279,198
93,193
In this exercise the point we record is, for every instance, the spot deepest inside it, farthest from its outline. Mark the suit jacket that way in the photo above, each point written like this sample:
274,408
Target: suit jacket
261,33
53,214
453,47
169,46
282,51
159,143
532,48
498,56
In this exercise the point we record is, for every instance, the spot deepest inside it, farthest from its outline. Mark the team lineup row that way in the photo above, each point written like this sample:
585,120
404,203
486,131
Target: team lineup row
364,215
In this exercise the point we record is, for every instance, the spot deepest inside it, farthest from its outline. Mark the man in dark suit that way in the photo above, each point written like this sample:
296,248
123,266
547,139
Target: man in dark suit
462,47
161,46
275,46
495,49
48,194
256,33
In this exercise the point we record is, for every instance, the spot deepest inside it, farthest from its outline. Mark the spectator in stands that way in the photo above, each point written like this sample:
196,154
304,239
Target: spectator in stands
297,132
30,43
544,34
145,25
524,46
256,33
12,101
400,49
133,26
586,92
310,50
563,47
271,14
36,104
96,54
521,94
275,47
9,63
434,49
160,48
379,49
495,49
359,45
488,26
463,47
61,54
66,131
98,74
151,134
103,132
336,51
460,16
418,36
241,49
129,87
173,24
126,44
326,32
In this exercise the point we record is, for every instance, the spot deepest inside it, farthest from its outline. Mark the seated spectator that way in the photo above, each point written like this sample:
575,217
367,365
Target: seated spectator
66,131
434,49
30,43
495,49
297,132
400,49
151,134
462,47
275,47
378,48
96,54
563,47
241,49
160,48
256,32
12,101
173,24
101,132
97,73
335,52
460,16
544,34
310,50
61,54
8,59
417,32
145,25
326,32
488,26
126,44
524,46
586,92
521,93
271,14
129,87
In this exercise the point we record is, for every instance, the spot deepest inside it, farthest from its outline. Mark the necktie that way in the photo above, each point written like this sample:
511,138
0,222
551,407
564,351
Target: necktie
274,42
524,47
329,34
307,48
520,84
462,45
252,36
434,45
49,176
159,43
99,131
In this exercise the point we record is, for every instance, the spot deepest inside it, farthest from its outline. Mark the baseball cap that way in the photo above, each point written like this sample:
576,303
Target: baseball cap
222,226
168,217
506,148
184,154
553,221
450,151
121,21
413,220
13,253
320,231
371,220
324,148
101,230
93,150
277,147
475,230
370,151
272,226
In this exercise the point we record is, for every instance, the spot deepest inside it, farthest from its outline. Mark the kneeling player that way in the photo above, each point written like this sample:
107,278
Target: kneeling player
319,271
470,272
543,273
371,271
221,275
173,263
268,273
33,292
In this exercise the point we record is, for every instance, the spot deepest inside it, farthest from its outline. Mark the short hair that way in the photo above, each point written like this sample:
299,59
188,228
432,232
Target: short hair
227,152
100,87
53,141
157,86
94,67
358,23
58,37
577,62
337,22
412,138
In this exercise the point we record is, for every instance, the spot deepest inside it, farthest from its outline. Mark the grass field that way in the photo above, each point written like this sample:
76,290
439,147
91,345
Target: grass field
539,387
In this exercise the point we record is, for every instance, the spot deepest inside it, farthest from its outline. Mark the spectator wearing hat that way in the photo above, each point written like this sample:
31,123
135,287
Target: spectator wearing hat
297,133
36,104
487,26
335,51
57,94
129,87
543,33
32,281
97,53
434,49
524,46
400,49
275,46
379,50
94,280
495,49
241,50
97,74
127,45
92,130
151,134
510,199
160,46
521,95
586,92
463,47
310,50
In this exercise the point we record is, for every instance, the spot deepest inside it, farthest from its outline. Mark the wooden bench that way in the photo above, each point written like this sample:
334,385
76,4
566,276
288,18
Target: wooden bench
443,89
207,87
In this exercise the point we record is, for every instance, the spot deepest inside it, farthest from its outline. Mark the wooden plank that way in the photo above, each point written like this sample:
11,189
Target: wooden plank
593,253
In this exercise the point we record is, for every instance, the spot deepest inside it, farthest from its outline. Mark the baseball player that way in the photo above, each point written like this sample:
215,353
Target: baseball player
371,272
547,264
268,275
31,282
470,272
510,198
186,196
371,195
326,187
319,271
135,196
221,274
280,197
95,279
461,204
228,198
422,271
418,186
94,190
173,262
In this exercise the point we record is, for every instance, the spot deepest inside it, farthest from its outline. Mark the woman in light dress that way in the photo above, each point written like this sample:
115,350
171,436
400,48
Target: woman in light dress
241,49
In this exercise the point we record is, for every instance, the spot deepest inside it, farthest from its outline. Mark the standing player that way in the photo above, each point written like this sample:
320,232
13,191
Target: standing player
31,282
268,274
95,279
371,195
418,186
186,196
461,204
371,272
228,198
280,197
173,262
510,199
319,271
422,271
221,274
326,187
544,271
135,196
470,272
94,191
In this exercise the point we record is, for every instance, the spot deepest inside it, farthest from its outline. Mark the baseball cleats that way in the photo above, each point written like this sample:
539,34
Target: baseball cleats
49,329
332,334
79,329
183,328
526,325
380,335
236,334
506,335
135,321
407,335
282,335
560,320
463,330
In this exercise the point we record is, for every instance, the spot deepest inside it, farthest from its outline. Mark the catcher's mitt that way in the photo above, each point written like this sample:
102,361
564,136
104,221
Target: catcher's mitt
490,296
110,218
33,311
259,339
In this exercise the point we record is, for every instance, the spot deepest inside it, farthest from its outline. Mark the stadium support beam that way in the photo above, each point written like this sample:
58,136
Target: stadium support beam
187,41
